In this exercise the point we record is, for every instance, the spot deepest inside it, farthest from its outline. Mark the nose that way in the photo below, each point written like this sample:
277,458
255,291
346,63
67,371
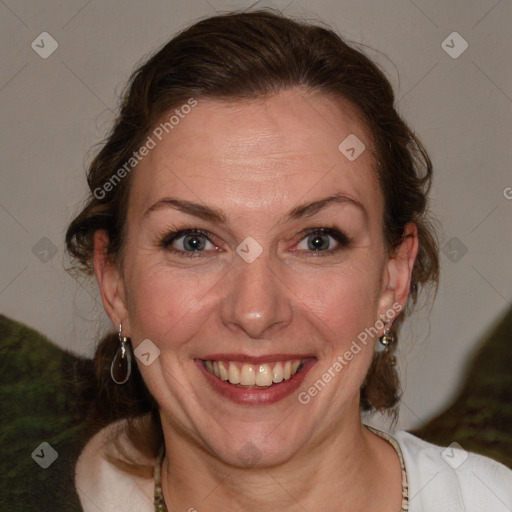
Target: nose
256,300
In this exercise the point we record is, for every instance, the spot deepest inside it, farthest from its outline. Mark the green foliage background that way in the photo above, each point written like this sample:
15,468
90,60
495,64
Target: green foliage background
40,400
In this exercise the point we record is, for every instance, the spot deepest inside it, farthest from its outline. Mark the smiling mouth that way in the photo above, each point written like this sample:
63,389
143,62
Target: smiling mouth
254,376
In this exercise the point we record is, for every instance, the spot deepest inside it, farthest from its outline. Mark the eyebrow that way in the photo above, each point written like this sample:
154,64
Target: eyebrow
215,215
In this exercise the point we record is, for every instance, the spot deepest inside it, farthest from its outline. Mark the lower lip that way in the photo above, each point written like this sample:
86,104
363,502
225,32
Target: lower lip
255,396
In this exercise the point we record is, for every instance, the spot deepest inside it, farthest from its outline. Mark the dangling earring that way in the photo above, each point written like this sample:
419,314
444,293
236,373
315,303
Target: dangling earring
385,343
121,366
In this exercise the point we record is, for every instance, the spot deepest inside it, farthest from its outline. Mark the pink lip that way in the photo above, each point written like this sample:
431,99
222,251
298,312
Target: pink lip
263,396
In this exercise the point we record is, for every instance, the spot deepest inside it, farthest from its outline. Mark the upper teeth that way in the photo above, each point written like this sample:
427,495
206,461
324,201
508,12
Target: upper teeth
262,375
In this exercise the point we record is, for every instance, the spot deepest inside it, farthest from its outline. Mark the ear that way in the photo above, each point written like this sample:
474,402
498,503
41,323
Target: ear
110,281
398,272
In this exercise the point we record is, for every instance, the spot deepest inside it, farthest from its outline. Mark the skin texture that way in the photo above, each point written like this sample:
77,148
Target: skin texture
257,160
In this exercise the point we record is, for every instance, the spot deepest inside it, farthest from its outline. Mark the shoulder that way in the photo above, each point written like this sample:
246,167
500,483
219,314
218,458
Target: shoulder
449,478
101,485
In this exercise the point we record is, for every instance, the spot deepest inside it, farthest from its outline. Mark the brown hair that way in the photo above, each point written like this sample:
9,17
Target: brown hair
243,56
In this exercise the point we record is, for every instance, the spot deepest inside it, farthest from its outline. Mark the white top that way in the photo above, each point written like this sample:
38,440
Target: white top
452,480
439,479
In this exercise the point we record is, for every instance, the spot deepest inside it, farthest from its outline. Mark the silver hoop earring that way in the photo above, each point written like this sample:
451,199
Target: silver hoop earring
121,366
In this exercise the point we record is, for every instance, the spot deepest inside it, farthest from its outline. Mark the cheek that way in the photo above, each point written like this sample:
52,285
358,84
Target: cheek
344,299
349,315
164,304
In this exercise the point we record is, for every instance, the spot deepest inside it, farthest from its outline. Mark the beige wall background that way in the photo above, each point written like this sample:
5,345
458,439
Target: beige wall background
459,100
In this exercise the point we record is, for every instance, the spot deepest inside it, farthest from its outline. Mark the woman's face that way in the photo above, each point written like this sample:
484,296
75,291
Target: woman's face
258,288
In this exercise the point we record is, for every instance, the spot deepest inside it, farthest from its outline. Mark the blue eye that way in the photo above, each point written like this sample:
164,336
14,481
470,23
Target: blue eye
320,240
187,242
193,242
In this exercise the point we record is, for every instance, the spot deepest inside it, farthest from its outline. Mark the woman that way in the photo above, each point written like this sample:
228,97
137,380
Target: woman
258,228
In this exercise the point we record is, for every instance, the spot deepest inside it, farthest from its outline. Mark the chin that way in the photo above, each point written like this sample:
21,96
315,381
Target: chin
250,451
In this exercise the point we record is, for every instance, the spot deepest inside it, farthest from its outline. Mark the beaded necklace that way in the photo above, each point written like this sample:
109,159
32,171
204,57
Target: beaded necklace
159,497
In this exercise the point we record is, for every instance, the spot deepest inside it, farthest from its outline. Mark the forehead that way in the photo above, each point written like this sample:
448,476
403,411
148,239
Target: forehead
258,154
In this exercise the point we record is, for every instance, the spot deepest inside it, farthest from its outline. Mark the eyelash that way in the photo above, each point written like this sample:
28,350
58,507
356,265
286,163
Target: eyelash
166,239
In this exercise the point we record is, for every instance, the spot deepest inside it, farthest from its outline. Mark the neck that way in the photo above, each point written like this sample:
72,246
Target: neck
351,467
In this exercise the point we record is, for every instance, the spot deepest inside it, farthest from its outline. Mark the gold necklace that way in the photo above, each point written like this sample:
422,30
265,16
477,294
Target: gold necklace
159,496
